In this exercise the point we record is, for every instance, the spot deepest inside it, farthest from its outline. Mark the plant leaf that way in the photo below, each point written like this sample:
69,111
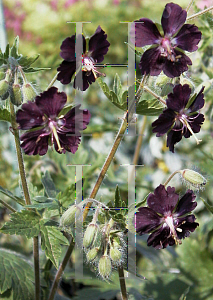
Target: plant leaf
26,61
5,115
49,185
25,223
10,195
51,242
16,274
149,107
208,206
14,48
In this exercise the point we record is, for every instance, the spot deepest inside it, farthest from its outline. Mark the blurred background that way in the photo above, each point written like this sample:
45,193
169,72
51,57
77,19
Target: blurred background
173,273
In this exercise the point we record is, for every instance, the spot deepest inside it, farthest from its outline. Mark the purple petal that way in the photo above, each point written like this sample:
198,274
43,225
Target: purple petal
33,143
146,220
163,201
145,32
152,62
195,124
173,138
68,49
179,98
51,102
88,78
188,38
189,225
77,117
198,103
98,45
160,239
29,116
173,18
68,143
174,69
66,71
164,122
186,204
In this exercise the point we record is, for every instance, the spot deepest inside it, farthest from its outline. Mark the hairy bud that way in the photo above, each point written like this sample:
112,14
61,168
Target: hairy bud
68,217
28,92
193,178
105,266
91,235
115,254
16,99
92,254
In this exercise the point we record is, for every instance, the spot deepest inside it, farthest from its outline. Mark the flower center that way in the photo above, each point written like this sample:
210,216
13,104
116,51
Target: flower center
170,222
166,49
53,125
88,65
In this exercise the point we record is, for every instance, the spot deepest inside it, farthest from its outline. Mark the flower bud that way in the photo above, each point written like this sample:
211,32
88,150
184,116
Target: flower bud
4,86
115,254
104,266
68,217
16,99
92,254
193,178
28,92
91,234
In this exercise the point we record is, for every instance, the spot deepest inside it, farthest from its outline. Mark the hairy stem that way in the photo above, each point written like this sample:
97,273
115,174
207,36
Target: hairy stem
53,81
189,5
60,271
154,95
199,13
138,144
26,197
171,176
122,283
7,206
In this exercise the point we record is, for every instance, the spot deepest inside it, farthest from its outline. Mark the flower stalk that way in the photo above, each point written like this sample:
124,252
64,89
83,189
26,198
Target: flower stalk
199,13
27,198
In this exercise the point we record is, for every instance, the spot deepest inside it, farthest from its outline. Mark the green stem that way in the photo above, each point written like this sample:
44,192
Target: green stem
138,145
190,3
60,271
7,206
122,283
26,196
53,81
171,176
154,94
199,13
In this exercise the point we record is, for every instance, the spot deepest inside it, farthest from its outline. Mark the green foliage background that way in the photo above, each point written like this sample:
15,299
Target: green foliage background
183,272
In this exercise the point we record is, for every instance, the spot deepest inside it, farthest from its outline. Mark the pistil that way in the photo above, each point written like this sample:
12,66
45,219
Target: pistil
184,121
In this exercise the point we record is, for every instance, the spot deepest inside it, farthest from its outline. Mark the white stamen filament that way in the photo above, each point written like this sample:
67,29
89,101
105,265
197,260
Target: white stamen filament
169,222
190,129
54,131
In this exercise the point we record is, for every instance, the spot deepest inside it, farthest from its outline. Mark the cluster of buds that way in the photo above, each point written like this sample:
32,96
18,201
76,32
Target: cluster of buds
16,86
104,246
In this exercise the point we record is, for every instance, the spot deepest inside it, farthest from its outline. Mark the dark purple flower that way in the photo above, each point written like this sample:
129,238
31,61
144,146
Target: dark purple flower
181,118
46,124
166,218
166,53
98,47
